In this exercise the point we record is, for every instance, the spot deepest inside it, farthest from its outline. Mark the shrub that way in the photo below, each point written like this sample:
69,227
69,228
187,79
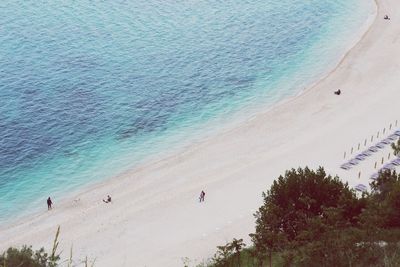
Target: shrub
26,257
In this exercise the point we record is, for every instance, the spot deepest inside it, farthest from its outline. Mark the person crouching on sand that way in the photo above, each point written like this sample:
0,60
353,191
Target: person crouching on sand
108,199
49,203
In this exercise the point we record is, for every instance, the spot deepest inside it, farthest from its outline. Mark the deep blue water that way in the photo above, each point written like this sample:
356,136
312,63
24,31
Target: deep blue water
91,88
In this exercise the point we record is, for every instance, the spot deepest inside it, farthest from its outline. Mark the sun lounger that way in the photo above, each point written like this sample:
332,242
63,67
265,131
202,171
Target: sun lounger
380,145
360,156
396,162
354,162
388,166
386,141
373,149
367,153
392,137
397,133
346,166
374,176
361,187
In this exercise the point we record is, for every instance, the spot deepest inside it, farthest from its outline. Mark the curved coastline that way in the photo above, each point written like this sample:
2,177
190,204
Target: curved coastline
227,125
224,178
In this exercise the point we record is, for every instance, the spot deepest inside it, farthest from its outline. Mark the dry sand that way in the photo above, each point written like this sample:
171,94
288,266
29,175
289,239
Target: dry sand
155,218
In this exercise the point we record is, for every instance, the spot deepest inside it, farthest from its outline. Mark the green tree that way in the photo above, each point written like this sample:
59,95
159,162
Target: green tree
236,246
385,198
311,219
396,147
298,207
228,254
268,238
383,185
26,257
222,256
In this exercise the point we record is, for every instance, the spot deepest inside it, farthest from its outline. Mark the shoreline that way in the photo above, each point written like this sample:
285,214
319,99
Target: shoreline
216,128
228,124
226,175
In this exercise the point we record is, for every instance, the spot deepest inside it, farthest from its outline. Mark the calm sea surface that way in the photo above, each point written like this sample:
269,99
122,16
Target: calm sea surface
91,88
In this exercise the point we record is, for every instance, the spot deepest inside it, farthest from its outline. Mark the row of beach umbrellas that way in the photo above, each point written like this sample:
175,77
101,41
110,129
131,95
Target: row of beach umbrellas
368,152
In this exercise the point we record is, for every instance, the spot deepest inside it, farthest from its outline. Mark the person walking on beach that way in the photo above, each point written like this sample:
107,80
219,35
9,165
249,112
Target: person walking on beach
202,195
49,203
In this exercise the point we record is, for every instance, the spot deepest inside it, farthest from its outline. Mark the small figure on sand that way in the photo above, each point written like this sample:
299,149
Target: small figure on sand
386,17
108,200
49,203
202,195
338,92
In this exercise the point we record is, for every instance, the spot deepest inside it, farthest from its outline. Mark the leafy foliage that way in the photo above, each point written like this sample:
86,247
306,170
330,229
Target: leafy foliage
26,257
396,147
228,255
348,247
301,206
385,198
309,218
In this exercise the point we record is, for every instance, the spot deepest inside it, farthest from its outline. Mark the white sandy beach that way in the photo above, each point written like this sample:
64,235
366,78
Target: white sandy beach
155,218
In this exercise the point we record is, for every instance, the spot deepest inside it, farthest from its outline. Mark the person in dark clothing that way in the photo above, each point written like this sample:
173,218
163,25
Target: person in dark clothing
202,195
49,203
338,92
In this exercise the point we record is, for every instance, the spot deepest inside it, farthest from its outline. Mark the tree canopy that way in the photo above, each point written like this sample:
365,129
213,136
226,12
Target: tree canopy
302,195
309,218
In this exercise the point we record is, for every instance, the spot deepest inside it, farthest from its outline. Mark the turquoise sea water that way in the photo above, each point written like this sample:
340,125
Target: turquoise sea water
89,89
